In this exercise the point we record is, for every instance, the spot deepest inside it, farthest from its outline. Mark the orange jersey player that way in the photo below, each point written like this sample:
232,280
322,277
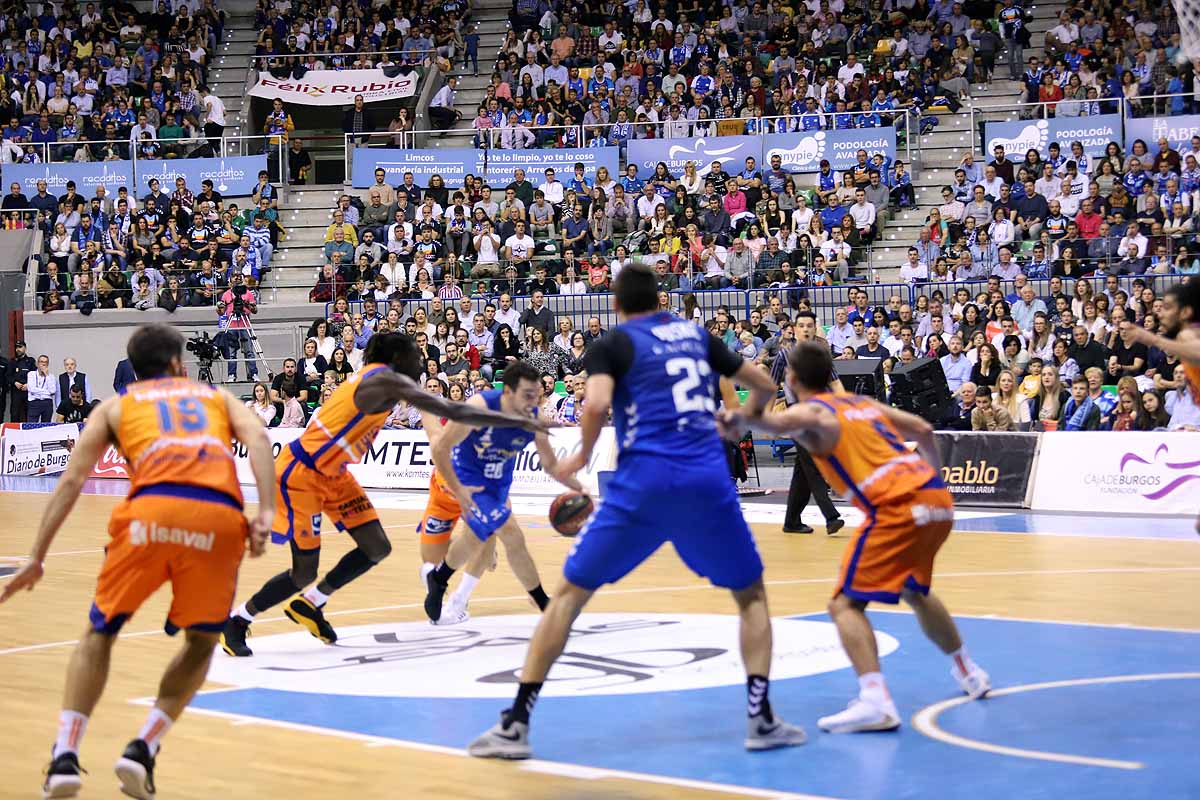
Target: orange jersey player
313,479
182,523
1180,319
859,446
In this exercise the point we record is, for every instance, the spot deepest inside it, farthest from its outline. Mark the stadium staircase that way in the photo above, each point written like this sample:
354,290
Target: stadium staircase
941,150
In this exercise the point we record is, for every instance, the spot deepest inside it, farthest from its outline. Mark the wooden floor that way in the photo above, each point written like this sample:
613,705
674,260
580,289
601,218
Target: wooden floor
1112,581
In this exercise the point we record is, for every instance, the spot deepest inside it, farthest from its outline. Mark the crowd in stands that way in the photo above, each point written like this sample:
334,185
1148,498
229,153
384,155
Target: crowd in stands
98,81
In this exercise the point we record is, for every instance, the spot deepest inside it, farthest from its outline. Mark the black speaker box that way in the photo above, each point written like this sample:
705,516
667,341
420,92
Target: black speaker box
920,388
862,376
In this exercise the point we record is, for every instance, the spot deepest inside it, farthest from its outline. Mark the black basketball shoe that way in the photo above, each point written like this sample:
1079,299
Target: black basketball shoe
135,770
302,612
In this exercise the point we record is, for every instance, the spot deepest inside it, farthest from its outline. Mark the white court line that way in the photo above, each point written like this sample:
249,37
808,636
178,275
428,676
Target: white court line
702,586
576,771
876,609
925,720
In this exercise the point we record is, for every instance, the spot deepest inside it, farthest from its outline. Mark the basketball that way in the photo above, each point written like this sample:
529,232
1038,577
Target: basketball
569,511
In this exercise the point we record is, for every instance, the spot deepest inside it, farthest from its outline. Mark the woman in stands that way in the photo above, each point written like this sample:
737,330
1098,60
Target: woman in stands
340,366
1048,403
260,403
691,182
985,373
506,348
1130,416
319,335
1061,361
1007,397
1156,415
1041,340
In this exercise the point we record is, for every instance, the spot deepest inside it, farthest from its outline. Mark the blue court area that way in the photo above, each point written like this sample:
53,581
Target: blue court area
1095,733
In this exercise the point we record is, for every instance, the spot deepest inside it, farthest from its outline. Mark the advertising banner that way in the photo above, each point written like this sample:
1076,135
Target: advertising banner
37,450
803,152
988,468
234,177
87,176
1178,130
1094,133
333,87
455,163
731,151
1156,472
400,459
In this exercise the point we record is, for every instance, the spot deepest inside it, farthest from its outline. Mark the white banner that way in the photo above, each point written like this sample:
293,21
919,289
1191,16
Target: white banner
331,87
400,459
1127,473
38,451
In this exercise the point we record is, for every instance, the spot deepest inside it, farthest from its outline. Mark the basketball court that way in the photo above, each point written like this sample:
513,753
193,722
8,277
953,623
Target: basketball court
1088,626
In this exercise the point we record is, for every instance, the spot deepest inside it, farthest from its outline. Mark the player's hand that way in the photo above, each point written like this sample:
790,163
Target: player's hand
563,473
731,424
466,499
260,532
567,467
25,578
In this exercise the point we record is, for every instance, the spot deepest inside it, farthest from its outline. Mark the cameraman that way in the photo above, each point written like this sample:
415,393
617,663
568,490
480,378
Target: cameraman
239,302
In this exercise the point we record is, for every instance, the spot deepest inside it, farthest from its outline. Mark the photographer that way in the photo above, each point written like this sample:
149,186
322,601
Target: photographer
239,302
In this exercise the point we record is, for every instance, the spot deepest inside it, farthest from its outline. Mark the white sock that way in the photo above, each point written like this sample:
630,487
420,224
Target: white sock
465,586
316,597
242,613
71,727
873,689
962,660
156,727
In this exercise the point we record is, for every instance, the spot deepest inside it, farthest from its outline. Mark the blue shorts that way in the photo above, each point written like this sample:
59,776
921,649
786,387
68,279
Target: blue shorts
651,501
491,503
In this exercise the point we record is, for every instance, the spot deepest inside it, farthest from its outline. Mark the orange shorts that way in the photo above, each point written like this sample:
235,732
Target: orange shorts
895,548
302,494
166,534
442,512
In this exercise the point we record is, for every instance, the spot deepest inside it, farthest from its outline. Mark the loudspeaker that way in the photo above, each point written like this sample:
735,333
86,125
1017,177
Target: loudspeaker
920,388
862,376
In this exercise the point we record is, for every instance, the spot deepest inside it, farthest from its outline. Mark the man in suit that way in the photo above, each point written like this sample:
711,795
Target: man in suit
71,376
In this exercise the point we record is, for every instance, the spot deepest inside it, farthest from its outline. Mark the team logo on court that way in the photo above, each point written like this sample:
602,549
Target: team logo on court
607,654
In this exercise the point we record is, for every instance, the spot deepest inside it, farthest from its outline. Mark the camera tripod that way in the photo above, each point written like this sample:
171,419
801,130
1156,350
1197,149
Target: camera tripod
255,346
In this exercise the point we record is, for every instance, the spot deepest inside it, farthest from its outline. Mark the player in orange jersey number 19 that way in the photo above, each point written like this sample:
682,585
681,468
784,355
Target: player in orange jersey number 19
182,523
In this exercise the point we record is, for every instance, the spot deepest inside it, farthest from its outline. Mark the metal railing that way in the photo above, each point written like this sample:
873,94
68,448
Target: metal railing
822,300
284,58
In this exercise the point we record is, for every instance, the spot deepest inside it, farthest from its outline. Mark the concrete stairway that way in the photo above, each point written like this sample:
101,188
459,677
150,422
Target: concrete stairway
492,19
941,150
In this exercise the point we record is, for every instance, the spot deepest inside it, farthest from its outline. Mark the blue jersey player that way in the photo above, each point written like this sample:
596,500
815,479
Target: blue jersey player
658,374
474,474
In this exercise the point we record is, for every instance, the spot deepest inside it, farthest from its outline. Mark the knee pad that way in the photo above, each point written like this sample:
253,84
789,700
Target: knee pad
372,541
304,566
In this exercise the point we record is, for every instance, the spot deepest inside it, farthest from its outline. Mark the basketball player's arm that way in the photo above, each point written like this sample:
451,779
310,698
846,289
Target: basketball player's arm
815,427
384,389
97,434
1185,346
553,467
915,429
248,429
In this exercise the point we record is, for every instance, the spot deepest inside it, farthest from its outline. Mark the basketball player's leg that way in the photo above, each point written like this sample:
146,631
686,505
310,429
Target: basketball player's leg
454,611
491,517
613,543
442,512
351,511
715,542
130,574
934,509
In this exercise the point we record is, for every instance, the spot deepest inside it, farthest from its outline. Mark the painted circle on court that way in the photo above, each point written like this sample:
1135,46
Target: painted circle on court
607,654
